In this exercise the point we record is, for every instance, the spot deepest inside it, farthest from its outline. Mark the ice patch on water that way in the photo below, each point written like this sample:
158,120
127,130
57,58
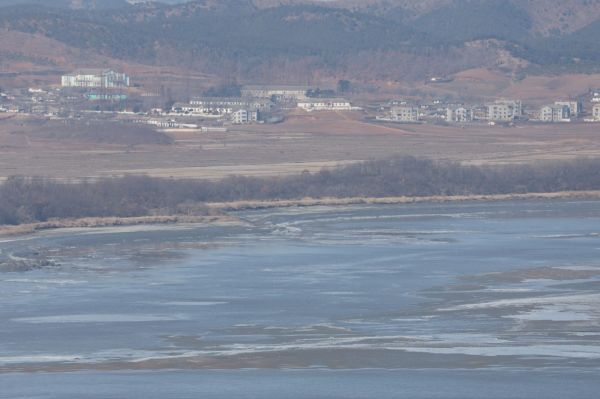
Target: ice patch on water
546,300
557,313
100,318
45,281
44,358
565,351
192,303
509,290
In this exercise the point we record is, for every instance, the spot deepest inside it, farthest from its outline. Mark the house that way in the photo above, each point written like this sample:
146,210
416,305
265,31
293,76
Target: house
596,112
555,113
404,113
575,107
96,78
504,110
278,92
243,116
459,114
322,104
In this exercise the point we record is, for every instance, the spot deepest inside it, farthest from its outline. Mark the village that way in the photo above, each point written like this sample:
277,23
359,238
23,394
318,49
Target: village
107,94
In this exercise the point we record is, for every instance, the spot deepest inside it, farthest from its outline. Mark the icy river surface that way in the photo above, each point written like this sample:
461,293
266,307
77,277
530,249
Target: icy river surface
461,300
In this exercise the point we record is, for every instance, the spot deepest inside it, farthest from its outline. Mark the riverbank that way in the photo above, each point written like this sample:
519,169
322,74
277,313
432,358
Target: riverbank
247,205
220,210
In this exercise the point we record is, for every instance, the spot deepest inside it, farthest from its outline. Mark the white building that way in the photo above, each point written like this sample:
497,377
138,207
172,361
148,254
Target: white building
242,116
504,110
217,105
575,107
404,114
95,78
337,104
459,114
555,113
187,109
596,112
167,124
279,92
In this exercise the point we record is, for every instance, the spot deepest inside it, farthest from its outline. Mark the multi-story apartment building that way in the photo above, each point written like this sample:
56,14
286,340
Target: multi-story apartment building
459,114
555,113
242,116
504,110
404,113
575,107
596,112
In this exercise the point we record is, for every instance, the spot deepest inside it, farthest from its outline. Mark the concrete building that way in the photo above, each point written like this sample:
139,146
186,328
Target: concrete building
243,116
596,112
167,123
187,109
95,78
218,105
555,113
575,107
504,110
404,114
278,92
321,104
459,114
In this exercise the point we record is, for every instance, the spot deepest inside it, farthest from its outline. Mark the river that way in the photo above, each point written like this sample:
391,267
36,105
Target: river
441,300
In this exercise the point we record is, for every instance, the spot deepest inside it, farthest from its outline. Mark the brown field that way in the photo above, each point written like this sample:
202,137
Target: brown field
303,142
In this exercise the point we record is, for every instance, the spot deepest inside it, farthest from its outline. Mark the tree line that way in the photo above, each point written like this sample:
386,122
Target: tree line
26,200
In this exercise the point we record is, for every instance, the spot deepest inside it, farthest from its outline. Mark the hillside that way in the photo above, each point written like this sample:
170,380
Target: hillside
291,40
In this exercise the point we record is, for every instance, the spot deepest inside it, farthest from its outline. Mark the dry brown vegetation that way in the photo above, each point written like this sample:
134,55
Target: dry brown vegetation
26,200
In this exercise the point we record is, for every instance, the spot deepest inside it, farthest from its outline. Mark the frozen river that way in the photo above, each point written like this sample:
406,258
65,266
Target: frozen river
466,300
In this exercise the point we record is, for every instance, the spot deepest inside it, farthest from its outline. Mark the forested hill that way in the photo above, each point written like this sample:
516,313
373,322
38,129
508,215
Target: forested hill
245,39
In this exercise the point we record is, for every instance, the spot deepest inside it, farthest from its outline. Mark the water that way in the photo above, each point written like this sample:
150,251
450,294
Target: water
496,300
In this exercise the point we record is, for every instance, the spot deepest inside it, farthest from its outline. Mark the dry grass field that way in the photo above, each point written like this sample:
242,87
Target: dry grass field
302,142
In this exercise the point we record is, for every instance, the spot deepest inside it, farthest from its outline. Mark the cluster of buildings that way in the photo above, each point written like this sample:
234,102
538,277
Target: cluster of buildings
105,90
258,102
32,101
83,90
239,110
499,111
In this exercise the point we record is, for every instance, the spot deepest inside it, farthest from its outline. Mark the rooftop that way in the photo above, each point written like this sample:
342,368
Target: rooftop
90,71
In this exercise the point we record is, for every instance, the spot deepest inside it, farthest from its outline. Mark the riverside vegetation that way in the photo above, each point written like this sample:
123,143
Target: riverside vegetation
33,200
